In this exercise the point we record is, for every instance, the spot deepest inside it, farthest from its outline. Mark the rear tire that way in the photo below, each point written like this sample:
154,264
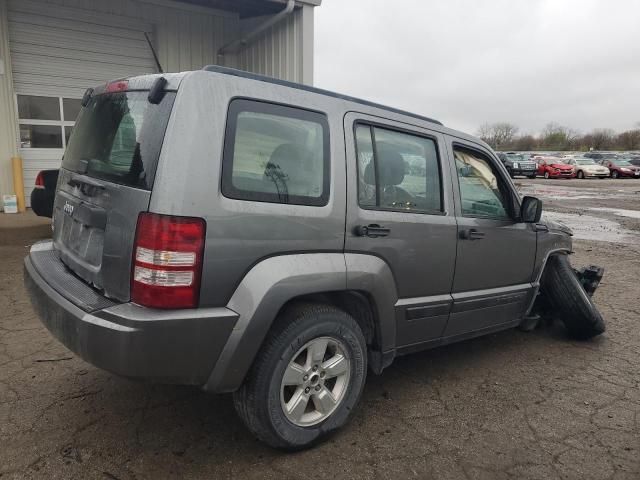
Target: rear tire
264,399
567,298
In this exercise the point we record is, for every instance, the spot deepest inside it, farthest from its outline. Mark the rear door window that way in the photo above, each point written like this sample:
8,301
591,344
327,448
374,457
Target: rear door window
118,136
275,153
397,171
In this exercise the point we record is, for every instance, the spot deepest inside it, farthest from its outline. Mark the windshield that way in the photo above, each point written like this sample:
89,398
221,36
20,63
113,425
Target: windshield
585,161
622,163
117,137
515,157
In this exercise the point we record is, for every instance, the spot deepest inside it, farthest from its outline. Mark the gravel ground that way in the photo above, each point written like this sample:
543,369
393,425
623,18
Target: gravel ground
509,405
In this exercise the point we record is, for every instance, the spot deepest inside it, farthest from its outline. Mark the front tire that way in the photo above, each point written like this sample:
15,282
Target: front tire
546,175
580,174
307,378
615,174
569,300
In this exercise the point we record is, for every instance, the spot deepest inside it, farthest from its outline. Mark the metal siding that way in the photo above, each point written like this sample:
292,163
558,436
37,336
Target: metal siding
60,51
60,47
277,52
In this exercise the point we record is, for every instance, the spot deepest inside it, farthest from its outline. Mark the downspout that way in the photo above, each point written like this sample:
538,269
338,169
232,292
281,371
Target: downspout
232,47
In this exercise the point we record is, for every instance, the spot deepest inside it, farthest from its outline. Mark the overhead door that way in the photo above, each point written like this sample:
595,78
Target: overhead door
56,53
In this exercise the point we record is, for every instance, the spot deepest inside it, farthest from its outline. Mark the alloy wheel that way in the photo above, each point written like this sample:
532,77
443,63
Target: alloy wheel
315,381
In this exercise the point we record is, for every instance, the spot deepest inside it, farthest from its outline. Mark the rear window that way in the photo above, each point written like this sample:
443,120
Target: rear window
118,136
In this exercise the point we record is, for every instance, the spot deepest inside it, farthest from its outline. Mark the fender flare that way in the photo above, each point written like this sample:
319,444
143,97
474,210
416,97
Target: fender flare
274,281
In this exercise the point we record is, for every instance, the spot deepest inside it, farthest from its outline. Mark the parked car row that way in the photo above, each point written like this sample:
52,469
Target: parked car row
588,165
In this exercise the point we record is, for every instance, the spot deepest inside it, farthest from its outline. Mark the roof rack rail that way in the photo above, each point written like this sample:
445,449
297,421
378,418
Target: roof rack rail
307,88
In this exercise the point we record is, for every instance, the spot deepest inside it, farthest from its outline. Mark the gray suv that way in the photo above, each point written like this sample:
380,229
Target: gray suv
243,234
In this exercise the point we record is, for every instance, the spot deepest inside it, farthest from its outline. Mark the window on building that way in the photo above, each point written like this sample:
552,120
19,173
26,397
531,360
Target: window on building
483,192
46,122
276,154
397,171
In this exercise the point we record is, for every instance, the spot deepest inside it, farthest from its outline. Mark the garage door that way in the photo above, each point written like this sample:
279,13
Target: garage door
56,53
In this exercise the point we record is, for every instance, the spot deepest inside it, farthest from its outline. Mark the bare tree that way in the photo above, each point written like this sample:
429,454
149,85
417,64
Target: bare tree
500,134
558,137
602,138
485,133
629,140
525,142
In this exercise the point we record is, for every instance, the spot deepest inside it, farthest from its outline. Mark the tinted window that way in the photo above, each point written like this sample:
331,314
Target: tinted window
276,154
38,108
397,171
482,191
118,137
40,136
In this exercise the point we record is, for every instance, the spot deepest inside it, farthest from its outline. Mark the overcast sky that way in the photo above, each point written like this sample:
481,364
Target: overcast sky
466,62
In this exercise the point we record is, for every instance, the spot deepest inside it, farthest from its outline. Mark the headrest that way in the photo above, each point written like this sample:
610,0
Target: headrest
391,167
291,160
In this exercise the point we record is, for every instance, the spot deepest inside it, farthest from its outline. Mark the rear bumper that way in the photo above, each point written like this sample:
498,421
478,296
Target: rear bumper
169,346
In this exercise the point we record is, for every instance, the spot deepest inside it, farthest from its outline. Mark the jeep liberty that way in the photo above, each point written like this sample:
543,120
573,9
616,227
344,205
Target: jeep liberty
244,234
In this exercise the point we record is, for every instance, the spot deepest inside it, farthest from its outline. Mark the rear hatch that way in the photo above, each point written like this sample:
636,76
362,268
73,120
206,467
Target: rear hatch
106,180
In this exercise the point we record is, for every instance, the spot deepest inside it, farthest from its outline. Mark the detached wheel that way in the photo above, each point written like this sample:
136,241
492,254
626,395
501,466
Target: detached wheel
569,300
307,378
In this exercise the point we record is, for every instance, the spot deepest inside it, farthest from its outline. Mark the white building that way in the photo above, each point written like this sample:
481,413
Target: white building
52,50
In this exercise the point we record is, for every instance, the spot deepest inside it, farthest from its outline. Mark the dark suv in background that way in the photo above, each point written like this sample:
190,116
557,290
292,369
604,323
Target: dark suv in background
518,164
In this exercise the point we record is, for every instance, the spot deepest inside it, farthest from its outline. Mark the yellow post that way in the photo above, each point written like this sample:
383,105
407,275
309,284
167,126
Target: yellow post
18,182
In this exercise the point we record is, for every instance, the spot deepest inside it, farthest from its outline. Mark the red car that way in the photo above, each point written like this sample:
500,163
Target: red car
621,167
555,168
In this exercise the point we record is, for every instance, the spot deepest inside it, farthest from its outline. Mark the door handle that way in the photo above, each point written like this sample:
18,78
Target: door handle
374,230
471,234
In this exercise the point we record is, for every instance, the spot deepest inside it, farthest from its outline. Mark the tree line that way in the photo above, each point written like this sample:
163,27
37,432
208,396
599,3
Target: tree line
505,136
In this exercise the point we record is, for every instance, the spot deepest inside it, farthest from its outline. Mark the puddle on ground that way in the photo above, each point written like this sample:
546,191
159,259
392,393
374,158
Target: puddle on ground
556,192
621,212
589,227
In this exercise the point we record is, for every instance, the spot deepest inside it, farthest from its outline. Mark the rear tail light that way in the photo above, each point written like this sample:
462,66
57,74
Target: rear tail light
167,261
40,180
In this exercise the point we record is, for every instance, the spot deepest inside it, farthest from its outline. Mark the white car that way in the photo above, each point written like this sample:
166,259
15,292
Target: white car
587,167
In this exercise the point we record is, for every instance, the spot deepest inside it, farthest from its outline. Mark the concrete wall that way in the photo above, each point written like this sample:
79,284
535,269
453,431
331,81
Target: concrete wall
186,37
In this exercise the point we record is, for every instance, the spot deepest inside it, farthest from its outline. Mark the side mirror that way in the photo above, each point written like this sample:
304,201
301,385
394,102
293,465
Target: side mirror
531,210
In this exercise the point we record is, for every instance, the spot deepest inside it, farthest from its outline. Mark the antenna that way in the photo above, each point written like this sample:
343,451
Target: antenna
153,51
